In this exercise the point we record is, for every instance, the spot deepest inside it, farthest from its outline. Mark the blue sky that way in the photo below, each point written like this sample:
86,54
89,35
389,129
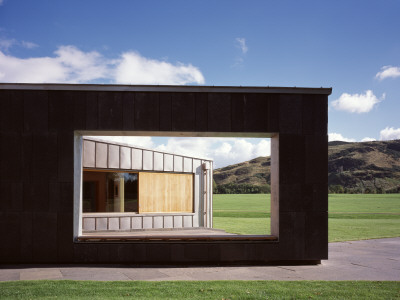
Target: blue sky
351,46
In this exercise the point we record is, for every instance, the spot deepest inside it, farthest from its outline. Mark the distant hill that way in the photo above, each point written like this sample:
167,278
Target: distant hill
368,167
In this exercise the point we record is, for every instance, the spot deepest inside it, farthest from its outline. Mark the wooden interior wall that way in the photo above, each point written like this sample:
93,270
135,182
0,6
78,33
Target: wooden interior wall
165,192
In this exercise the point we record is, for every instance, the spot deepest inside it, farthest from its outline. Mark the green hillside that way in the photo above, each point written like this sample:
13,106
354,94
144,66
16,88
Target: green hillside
368,167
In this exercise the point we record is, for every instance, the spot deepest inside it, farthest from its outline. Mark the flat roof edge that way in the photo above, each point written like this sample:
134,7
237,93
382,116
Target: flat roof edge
165,88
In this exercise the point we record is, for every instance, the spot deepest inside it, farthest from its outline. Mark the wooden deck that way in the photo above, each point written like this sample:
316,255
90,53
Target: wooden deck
192,234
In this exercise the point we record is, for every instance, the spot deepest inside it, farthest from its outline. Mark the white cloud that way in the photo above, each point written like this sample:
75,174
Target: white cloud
71,65
239,59
390,134
368,139
28,45
263,148
357,103
1,2
5,44
134,68
81,66
224,151
241,43
195,147
338,137
388,72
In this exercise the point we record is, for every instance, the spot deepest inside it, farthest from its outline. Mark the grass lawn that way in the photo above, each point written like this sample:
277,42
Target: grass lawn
351,217
199,290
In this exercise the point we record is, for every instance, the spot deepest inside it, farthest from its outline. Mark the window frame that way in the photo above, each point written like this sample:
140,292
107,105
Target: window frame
78,159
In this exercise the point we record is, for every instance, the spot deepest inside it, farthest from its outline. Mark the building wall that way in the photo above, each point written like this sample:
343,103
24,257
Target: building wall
37,127
104,155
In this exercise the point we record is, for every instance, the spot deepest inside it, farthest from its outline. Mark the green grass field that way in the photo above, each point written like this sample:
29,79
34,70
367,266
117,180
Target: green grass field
199,290
351,217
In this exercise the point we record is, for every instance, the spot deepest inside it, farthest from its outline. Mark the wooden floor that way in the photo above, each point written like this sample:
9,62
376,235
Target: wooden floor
169,235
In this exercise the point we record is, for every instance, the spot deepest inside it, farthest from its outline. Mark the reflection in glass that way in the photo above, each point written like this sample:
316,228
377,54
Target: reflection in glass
110,192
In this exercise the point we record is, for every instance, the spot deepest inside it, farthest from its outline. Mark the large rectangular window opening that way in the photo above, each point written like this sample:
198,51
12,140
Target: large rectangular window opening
132,190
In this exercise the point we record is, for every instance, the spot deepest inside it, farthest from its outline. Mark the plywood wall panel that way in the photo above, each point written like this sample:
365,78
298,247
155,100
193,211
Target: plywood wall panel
101,155
291,159
44,156
45,237
165,111
201,111
237,102
65,156
316,246
137,159
187,164
36,196
27,141
219,112
147,160
10,230
273,112
158,161
54,196
178,163
89,154
183,112
11,104
26,237
92,108
36,111
128,110
125,154
113,156
256,113
11,166
315,115
146,111
168,162
66,194
165,192
316,158
65,249
198,193
12,190
290,114
67,110
110,111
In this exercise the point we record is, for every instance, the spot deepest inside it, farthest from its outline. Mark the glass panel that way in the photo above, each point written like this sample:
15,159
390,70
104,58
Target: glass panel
110,192
131,192
89,196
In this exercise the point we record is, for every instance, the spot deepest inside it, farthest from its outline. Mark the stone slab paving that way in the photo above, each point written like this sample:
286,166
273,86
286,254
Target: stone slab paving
358,260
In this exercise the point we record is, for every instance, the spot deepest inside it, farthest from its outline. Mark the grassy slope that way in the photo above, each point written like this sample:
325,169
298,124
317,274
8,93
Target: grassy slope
199,290
355,166
351,217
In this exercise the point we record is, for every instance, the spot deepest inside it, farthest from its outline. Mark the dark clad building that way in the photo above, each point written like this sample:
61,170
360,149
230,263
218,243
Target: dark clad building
41,129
